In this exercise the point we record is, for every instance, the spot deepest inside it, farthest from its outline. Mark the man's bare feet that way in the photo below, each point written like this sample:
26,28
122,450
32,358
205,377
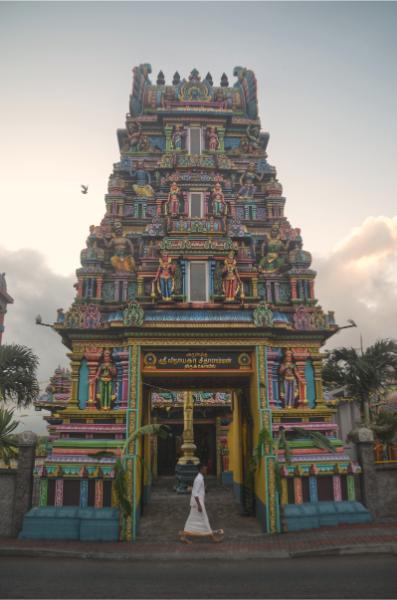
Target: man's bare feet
184,539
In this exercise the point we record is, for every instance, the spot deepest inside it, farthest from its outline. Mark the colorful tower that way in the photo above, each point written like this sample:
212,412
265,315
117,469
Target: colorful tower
4,300
195,308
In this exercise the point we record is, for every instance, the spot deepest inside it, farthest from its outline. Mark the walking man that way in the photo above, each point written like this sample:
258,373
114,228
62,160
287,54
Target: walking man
197,523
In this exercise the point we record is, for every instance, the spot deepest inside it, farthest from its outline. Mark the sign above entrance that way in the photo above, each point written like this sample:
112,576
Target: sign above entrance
180,360
200,398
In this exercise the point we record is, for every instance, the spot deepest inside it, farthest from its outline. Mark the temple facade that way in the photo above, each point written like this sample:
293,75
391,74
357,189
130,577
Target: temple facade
195,308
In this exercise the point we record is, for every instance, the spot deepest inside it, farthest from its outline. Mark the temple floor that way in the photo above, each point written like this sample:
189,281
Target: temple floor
166,512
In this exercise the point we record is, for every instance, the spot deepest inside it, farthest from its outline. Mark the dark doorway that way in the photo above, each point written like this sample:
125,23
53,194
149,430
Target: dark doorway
168,450
205,440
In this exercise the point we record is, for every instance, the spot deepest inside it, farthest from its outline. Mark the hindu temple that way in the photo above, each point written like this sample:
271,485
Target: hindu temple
195,308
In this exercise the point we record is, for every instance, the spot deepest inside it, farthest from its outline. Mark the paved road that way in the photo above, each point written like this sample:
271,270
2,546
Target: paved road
319,577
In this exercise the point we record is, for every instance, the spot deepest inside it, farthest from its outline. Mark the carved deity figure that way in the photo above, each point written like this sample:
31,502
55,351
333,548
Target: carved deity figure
178,137
247,183
142,187
165,277
134,132
92,316
273,250
123,257
212,139
289,380
303,318
218,201
105,378
175,200
231,278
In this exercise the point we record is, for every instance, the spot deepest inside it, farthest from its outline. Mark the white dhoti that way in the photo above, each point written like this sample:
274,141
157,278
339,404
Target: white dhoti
197,522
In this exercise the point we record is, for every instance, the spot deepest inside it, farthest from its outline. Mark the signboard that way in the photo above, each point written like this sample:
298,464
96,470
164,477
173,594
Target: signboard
192,360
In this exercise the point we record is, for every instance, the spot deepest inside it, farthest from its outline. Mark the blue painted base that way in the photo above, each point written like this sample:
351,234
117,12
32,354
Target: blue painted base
227,478
311,515
71,523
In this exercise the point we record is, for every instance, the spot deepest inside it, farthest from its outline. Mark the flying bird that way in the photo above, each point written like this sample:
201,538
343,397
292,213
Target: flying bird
84,189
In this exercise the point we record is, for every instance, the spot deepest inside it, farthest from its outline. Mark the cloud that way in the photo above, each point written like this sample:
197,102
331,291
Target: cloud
36,290
359,281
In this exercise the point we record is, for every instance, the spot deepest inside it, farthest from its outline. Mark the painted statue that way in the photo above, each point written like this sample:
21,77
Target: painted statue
289,380
134,132
231,278
165,277
178,137
123,257
273,251
142,187
247,183
218,204
175,200
212,139
105,378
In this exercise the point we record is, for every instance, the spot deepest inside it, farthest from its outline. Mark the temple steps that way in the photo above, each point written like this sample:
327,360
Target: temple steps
166,512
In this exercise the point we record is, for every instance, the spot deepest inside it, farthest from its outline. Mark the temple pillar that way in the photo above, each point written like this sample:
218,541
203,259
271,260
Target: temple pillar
43,493
294,293
351,488
99,284
93,356
284,491
168,138
337,487
83,493
313,491
58,492
74,376
98,493
221,139
298,493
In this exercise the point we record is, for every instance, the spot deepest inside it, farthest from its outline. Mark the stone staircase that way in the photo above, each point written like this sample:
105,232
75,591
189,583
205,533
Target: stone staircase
166,512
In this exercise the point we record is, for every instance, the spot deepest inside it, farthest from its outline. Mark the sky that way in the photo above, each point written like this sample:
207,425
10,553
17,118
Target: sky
327,87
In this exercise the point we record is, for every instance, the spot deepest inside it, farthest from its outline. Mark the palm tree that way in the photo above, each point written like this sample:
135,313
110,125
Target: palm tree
365,375
18,382
8,448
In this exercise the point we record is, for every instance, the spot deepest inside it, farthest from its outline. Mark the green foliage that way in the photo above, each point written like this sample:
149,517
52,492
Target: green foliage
318,439
385,427
162,431
120,480
120,486
364,375
8,447
18,382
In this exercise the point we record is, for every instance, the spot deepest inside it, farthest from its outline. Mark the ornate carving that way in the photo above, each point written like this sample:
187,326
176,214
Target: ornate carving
263,315
133,315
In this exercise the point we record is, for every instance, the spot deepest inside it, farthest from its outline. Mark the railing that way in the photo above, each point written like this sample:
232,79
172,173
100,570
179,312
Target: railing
385,453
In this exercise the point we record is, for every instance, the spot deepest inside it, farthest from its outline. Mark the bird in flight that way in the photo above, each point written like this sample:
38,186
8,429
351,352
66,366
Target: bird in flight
84,189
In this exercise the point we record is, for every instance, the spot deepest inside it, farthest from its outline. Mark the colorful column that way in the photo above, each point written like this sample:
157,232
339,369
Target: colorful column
43,494
98,493
83,493
351,488
59,492
337,487
313,491
298,492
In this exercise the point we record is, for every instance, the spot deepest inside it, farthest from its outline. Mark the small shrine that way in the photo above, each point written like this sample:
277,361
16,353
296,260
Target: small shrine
195,308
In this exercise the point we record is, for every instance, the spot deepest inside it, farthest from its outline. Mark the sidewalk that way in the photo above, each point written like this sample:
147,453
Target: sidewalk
379,538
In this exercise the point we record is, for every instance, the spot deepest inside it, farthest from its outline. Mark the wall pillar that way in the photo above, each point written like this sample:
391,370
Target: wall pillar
43,494
364,440
24,478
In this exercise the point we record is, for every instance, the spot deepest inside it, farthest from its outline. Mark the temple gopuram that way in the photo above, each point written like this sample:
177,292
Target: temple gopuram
195,308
